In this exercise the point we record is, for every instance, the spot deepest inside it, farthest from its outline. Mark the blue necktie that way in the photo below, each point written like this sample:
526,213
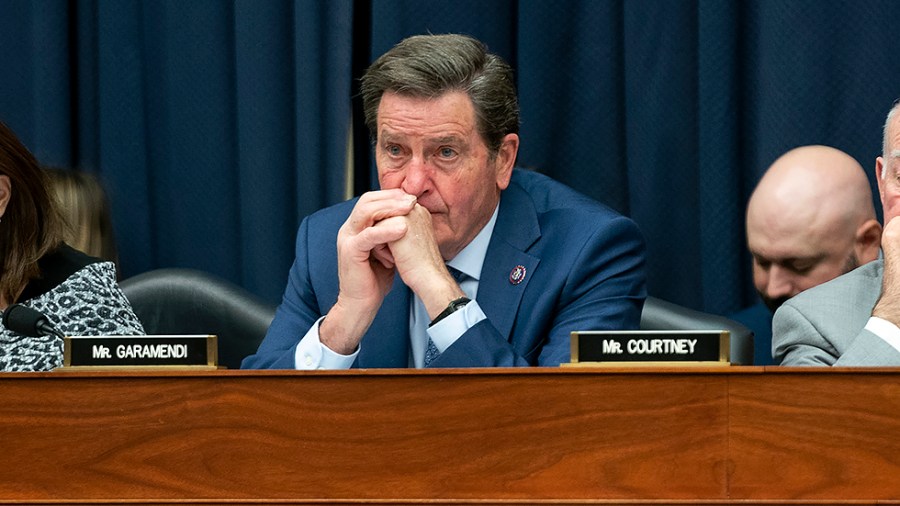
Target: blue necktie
431,352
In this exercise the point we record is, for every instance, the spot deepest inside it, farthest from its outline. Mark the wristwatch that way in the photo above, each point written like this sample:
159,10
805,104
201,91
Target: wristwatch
452,307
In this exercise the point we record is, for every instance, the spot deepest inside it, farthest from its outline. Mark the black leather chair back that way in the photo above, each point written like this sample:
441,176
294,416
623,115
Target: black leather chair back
189,301
659,314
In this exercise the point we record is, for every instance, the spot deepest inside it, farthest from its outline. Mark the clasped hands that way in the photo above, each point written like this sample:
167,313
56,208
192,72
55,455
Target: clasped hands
888,305
387,233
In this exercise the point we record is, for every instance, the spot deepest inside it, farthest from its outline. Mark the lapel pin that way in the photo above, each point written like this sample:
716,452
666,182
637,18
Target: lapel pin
517,275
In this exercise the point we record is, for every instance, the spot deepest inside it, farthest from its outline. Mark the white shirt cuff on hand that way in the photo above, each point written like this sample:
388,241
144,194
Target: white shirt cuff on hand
312,354
885,330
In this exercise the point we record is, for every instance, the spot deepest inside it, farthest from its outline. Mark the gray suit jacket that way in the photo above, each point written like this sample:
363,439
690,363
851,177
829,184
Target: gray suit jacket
825,324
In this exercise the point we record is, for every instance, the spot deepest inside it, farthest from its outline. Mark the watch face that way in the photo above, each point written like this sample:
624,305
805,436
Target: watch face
460,302
452,307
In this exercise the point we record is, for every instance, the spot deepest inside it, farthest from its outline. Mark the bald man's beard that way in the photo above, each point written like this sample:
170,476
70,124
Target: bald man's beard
773,304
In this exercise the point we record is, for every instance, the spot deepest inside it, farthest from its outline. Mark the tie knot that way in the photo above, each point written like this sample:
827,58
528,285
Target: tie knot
457,274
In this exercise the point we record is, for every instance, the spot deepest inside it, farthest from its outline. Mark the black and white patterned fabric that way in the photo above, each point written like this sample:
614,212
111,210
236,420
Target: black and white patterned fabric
87,303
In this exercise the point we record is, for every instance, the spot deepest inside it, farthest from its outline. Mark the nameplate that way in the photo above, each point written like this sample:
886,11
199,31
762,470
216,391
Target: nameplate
131,351
675,347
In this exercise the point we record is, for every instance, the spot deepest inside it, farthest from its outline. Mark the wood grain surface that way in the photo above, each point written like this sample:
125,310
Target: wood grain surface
479,436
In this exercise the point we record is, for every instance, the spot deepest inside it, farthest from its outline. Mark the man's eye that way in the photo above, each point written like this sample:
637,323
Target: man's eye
393,150
447,152
802,268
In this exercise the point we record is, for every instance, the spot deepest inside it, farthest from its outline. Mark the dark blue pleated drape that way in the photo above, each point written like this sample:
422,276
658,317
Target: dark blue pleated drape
217,126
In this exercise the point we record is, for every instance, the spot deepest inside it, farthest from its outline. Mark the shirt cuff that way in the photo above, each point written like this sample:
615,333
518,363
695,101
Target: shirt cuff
449,329
312,354
886,330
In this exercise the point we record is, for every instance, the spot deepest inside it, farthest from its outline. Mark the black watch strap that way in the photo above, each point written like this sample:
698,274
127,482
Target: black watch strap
452,307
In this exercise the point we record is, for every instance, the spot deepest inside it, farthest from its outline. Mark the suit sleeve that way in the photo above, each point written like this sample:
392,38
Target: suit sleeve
297,313
604,289
797,341
869,349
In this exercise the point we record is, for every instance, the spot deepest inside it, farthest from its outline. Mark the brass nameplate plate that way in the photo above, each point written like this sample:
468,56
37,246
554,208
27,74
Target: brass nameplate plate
665,347
131,351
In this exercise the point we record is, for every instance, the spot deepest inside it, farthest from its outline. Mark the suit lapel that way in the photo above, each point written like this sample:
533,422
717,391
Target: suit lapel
499,289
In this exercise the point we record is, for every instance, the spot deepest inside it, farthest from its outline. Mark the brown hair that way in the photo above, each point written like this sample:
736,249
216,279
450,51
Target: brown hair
31,226
85,209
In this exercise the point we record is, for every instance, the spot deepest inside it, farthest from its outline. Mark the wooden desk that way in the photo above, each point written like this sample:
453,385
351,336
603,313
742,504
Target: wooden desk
499,436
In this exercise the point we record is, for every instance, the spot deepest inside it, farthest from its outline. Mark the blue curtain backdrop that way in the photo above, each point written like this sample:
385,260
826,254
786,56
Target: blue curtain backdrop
217,126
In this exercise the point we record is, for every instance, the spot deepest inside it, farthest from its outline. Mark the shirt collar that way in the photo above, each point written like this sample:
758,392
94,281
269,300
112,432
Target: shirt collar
471,258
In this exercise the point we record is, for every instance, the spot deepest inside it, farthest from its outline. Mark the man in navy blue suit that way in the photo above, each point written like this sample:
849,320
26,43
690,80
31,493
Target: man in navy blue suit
459,260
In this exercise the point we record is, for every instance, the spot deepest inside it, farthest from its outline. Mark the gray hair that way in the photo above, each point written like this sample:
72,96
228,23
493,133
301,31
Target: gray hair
428,66
888,157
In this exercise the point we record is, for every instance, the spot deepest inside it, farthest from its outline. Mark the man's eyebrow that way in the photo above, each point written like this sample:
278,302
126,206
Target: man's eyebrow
787,260
804,259
391,136
447,139
387,134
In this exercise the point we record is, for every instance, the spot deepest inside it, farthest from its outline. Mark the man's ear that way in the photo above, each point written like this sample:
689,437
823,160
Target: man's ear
5,193
506,159
879,178
868,241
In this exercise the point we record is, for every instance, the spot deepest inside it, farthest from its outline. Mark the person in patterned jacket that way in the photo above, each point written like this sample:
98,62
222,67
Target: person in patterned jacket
77,293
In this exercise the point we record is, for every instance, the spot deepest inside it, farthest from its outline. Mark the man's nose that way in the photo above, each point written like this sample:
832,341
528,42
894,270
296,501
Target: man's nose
416,177
782,283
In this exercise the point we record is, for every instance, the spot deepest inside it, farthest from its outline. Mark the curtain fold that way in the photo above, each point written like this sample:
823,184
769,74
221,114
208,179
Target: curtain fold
217,126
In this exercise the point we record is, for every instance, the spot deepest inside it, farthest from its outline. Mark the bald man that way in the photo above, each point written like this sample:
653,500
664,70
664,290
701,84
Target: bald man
810,219
853,320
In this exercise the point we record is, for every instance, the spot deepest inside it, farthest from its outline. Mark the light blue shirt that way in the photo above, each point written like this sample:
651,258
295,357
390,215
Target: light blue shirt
312,354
